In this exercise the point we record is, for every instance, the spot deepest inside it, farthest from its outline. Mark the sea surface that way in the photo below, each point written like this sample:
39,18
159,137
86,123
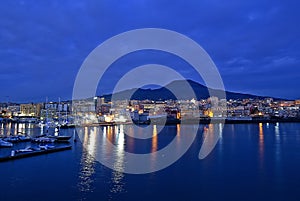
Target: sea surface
249,162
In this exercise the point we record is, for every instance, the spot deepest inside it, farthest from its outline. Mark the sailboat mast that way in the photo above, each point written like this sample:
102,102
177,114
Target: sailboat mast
47,123
46,107
59,110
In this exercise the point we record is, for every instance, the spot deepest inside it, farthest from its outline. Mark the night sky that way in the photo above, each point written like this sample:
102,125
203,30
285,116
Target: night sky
255,44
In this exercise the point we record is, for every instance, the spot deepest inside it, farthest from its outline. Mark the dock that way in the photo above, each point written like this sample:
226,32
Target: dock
35,153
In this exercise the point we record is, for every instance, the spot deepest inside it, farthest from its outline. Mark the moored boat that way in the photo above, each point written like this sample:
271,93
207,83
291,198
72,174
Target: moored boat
46,147
5,144
23,138
28,149
61,138
11,139
19,138
43,140
36,151
67,125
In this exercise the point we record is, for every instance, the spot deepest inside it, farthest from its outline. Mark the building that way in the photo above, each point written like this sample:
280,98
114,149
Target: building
31,109
14,110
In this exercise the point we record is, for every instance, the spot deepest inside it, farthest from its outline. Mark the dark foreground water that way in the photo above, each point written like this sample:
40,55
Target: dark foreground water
250,162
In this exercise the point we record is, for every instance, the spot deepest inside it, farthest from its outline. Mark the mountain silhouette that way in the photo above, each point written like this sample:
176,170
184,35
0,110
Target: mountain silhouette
163,93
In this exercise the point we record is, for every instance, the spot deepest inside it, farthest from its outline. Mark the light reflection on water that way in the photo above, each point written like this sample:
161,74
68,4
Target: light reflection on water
87,162
95,144
154,144
271,161
27,129
95,139
261,139
117,174
261,144
277,154
277,140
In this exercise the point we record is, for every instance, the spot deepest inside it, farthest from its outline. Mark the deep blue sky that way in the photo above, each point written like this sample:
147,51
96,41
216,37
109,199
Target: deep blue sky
255,44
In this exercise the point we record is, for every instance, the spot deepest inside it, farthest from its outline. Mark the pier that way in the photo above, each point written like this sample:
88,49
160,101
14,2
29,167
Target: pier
34,153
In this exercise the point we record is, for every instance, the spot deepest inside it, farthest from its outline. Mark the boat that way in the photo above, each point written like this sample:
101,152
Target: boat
27,149
5,144
61,138
51,138
19,138
36,151
67,125
23,138
43,140
11,139
46,147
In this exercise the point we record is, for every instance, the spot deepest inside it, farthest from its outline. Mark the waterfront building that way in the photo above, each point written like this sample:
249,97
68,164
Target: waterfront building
84,111
31,109
13,110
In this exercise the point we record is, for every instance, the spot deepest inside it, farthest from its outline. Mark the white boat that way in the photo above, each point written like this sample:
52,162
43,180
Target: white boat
43,140
19,138
28,149
11,139
24,138
46,147
5,144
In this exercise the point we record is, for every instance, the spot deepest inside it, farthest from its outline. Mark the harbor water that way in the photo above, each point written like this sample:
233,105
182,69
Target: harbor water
250,162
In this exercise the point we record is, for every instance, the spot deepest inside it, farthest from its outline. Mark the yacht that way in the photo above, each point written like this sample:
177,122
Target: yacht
5,144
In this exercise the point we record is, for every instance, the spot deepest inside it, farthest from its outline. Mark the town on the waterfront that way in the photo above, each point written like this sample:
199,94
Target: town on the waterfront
98,110
149,100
